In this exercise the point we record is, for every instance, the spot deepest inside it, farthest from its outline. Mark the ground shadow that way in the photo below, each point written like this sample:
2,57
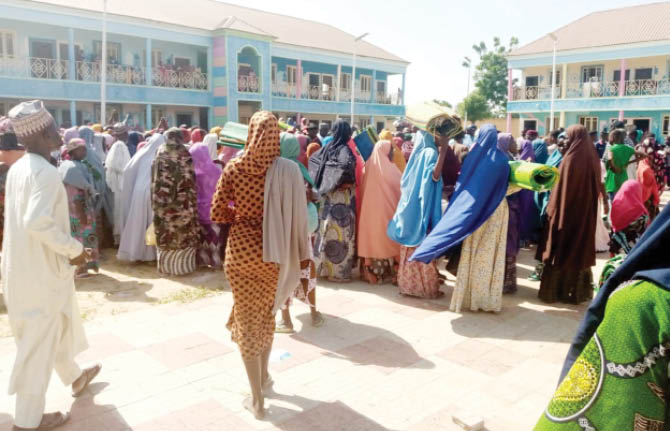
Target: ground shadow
371,345
317,416
85,414
115,290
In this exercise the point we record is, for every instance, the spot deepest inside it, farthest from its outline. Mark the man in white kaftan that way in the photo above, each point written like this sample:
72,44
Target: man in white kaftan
38,253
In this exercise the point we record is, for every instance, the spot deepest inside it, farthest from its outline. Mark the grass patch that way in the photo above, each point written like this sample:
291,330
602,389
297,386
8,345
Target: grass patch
187,295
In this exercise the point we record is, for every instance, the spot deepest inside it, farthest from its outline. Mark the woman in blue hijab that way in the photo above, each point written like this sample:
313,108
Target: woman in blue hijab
420,206
477,217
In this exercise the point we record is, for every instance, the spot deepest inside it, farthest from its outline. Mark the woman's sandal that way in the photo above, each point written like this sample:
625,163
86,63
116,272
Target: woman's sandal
318,320
283,329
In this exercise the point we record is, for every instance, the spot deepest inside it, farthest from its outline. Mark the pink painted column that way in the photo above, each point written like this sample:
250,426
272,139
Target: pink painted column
509,99
298,80
622,84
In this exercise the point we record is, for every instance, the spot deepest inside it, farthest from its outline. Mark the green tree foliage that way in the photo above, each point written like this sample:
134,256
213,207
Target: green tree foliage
476,105
491,73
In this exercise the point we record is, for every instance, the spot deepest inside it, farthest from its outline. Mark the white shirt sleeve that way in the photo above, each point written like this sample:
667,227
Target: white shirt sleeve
39,218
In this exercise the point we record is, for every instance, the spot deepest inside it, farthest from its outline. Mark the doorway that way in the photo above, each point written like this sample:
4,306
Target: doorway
529,125
184,119
643,124
246,110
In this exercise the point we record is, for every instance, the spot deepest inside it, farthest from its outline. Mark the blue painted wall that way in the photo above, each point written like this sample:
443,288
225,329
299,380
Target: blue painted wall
641,103
310,66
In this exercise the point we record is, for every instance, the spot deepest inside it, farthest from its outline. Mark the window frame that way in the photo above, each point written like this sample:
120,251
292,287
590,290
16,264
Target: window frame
592,66
368,79
590,122
665,125
3,44
343,80
292,72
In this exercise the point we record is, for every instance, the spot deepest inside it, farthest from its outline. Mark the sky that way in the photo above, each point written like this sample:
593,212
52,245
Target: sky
435,35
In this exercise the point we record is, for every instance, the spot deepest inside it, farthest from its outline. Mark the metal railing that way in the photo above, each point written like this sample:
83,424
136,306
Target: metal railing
284,89
596,89
248,84
87,71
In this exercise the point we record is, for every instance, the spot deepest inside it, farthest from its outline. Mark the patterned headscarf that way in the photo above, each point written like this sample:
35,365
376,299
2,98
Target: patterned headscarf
262,146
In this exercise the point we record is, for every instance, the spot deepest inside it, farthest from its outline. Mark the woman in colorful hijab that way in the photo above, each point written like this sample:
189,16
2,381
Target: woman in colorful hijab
211,141
615,375
333,169
569,251
213,236
115,164
629,218
134,139
397,158
306,292
648,179
540,150
381,193
197,136
82,200
303,141
239,201
95,165
420,207
530,215
174,201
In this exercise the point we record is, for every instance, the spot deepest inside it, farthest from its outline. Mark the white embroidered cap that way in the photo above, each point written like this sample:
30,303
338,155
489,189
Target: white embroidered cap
29,118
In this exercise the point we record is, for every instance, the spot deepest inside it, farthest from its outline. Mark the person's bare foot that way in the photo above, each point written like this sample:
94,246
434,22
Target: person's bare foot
49,422
87,376
257,411
283,328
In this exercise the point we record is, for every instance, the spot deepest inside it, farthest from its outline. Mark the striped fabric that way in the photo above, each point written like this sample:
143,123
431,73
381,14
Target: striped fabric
177,262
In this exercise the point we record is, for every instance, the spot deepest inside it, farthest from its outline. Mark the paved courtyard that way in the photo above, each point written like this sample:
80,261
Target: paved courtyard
380,362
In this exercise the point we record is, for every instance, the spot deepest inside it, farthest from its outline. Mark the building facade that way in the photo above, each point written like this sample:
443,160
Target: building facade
590,88
234,62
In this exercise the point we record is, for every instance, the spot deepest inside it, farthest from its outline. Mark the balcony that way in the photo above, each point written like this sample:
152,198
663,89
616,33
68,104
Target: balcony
639,87
85,71
284,89
248,84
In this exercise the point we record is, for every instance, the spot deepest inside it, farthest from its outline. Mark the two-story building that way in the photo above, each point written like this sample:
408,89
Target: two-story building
203,62
613,64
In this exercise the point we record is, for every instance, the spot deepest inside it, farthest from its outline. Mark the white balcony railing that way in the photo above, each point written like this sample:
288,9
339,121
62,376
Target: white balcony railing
86,71
248,84
596,89
284,89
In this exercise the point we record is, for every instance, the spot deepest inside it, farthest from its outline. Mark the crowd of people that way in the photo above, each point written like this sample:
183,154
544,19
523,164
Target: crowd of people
304,204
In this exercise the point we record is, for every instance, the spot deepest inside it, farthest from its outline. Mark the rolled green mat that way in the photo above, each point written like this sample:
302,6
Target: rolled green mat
533,176
226,142
235,131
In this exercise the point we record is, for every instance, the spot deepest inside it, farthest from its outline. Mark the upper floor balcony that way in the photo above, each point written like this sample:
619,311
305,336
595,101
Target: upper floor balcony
91,71
595,89
329,93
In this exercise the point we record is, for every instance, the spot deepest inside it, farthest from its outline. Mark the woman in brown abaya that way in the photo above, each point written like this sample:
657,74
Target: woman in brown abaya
567,248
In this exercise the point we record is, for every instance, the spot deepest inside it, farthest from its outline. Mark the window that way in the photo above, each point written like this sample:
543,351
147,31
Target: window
7,44
547,124
617,75
666,125
591,123
327,86
113,51
558,77
530,125
366,83
592,74
532,81
381,87
182,63
346,81
156,57
274,74
291,75
643,74
314,80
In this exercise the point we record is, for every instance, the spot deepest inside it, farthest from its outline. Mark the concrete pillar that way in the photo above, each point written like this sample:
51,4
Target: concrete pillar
622,84
148,120
402,102
561,120
508,125
373,87
210,69
298,80
73,113
71,65
339,82
148,71
564,83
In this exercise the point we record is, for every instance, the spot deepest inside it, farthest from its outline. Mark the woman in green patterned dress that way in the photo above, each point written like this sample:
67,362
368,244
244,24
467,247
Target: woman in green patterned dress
616,374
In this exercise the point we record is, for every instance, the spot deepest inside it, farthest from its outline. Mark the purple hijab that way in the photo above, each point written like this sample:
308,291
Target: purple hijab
206,176
527,151
69,134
